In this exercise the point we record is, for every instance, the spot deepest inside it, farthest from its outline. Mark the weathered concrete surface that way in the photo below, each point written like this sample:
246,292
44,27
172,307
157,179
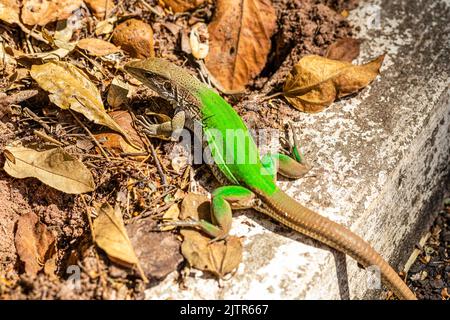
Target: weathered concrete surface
379,158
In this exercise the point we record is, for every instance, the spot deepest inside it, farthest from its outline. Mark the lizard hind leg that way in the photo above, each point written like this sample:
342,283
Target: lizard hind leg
224,200
290,164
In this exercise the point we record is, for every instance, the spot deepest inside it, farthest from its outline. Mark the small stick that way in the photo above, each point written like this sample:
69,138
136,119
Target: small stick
31,33
99,67
149,7
36,118
152,149
276,94
158,164
90,135
17,97
48,138
88,212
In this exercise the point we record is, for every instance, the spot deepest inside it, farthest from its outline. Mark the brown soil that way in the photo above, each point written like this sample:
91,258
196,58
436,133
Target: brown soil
304,27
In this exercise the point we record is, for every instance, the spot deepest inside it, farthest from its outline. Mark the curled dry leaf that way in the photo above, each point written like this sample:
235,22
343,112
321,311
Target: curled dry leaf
7,62
219,257
35,244
64,32
183,5
71,89
125,121
9,11
198,41
41,12
111,236
55,167
345,49
315,82
239,41
114,141
97,47
105,26
179,163
135,37
100,8
195,206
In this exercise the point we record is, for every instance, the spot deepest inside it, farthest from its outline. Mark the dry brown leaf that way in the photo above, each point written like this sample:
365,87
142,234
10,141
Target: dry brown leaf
41,12
183,5
195,206
56,54
105,26
7,63
35,244
55,167
71,89
100,8
345,49
171,214
158,252
239,41
315,82
50,267
115,141
117,93
111,236
97,47
219,257
9,11
135,37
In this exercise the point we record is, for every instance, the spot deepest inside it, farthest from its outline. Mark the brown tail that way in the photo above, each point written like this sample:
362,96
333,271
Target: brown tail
289,212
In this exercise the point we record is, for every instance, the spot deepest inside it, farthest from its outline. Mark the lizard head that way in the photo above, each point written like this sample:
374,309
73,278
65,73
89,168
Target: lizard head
162,75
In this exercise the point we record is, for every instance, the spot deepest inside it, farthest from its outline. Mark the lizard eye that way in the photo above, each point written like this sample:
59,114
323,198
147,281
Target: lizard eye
167,86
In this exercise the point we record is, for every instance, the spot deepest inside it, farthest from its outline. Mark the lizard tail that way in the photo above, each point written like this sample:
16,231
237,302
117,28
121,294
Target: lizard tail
289,212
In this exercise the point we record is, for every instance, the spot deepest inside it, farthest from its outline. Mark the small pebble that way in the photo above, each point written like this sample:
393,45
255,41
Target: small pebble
437,284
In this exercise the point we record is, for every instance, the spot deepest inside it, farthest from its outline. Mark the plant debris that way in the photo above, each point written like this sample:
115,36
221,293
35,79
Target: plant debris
70,88
240,35
158,252
35,244
109,233
346,49
315,82
53,167
97,47
42,12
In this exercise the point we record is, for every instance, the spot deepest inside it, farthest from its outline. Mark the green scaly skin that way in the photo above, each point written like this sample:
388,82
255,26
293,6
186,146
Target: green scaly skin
252,180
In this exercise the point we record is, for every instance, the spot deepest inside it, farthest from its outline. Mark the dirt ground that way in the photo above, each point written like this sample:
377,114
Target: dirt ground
304,27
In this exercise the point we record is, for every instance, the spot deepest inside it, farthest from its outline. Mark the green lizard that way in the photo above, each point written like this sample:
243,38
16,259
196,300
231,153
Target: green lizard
249,182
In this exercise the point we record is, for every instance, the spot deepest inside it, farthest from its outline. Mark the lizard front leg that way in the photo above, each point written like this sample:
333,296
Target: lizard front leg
169,130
